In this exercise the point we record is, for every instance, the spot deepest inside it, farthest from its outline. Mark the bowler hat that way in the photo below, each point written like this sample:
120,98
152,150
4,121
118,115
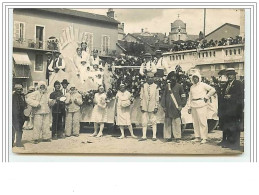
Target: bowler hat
230,71
56,51
65,82
158,51
48,53
147,55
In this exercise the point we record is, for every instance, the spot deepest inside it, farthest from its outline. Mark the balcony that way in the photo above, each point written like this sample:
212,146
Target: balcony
213,55
31,44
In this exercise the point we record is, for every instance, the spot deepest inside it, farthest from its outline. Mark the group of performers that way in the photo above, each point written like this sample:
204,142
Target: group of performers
62,106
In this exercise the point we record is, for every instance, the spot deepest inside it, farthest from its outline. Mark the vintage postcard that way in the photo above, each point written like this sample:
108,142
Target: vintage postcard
128,81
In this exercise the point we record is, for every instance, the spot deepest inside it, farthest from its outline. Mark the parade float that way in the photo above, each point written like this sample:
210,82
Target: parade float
114,72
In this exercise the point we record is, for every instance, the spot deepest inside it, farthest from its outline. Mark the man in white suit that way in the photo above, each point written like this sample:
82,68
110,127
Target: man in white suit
149,97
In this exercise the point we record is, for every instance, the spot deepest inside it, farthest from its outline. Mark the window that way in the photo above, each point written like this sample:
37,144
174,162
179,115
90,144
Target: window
19,31
38,63
226,52
105,44
88,37
235,51
239,51
210,53
176,57
206,54
214,53
179,57
39,36
183,57
199,55
230,52
203,55
173,57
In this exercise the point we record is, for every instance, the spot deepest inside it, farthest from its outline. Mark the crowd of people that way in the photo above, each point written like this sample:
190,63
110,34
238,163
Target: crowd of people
204,43
171,89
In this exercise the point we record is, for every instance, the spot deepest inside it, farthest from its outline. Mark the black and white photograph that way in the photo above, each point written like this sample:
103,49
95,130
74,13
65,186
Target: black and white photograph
127,81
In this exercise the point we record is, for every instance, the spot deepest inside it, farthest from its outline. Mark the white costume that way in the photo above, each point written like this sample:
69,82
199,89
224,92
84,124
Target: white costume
38,100
199,107
99,114
147,67
123,112
73,101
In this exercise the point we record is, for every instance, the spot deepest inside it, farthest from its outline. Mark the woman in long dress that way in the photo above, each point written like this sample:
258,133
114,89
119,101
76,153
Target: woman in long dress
123,102
99,114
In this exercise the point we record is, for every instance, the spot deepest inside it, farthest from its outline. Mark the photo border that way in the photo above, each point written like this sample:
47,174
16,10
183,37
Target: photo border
250,97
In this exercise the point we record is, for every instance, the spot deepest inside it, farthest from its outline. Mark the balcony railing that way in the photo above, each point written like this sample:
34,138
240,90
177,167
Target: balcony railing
222,54
31,44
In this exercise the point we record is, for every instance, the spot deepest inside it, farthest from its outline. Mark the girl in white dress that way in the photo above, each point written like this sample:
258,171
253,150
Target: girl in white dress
123,102
99,114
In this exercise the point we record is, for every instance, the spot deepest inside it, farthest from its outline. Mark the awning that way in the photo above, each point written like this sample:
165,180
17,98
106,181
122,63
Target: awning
21,58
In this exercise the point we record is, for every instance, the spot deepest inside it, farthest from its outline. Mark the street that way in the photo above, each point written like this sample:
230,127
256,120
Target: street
109,144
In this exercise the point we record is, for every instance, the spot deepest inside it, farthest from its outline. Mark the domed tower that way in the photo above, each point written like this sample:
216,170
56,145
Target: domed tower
178,31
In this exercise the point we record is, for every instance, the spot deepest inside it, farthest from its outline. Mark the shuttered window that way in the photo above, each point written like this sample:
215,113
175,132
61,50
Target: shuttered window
19,31
38,63
88,37
105,44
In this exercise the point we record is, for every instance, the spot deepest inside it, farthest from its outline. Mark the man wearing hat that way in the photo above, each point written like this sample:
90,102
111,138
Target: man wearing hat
56,101
172,101
148,66
49,59
18,117
149,100
64,90
55,65
231,116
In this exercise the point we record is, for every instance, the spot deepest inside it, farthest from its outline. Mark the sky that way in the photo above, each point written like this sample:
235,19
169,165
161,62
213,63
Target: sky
159,20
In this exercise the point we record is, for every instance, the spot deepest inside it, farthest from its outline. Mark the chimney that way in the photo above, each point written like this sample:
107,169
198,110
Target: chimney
110,13
142,30
122,24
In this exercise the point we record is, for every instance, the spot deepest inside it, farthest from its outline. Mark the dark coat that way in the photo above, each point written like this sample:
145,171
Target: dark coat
18,107
58,107
233,107
168,103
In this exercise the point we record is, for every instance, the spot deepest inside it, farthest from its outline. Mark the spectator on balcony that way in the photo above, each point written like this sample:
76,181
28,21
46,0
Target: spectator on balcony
56,65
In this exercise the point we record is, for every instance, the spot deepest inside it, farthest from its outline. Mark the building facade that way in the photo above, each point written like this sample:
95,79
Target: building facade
34,31
227,30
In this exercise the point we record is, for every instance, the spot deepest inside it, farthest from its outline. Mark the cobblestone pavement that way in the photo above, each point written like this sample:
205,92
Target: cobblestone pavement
109,144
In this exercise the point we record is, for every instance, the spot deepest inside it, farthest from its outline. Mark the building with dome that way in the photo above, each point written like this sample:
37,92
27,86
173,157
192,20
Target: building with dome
179,33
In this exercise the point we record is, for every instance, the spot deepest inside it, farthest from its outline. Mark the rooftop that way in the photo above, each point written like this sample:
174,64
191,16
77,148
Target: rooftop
79,14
